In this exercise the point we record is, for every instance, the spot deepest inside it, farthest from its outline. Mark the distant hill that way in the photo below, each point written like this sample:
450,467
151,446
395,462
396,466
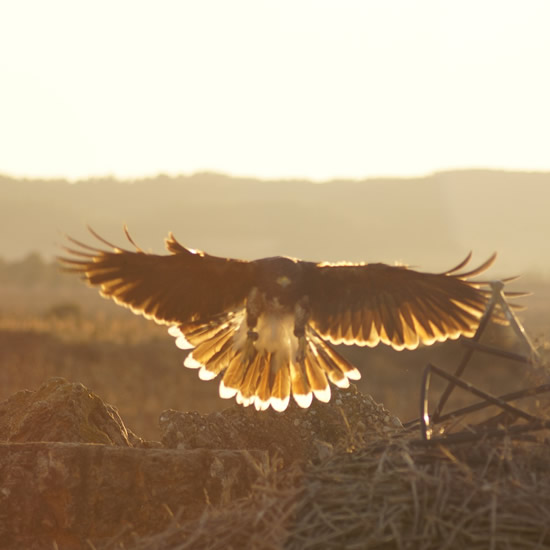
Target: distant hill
430,222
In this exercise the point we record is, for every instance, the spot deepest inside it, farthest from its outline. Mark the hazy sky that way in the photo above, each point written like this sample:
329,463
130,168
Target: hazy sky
282,88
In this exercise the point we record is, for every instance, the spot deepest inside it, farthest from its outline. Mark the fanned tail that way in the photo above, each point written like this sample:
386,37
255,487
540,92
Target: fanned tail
266,377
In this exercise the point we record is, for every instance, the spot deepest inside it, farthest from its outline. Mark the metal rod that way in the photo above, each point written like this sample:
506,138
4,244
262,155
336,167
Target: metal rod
517,326
454,380
465,437
500,352
529,392
496,287
425,428
425,417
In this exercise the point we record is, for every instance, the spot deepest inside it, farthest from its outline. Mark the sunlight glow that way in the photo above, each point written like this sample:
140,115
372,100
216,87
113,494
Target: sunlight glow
271,89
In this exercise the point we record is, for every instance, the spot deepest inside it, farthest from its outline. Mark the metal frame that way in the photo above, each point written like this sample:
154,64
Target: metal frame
484,429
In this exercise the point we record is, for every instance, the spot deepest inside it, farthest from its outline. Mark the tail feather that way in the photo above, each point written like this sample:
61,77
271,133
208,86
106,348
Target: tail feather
267,377
195,334
280,392
301,390
199,332
264,388
317,377
234,374
212,353
252,376
335,375
216,363
342,364
338,370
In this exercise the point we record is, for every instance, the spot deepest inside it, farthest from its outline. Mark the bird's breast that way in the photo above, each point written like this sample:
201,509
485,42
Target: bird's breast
275,330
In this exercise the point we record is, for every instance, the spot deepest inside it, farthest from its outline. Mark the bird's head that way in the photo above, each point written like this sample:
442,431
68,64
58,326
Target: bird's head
280,277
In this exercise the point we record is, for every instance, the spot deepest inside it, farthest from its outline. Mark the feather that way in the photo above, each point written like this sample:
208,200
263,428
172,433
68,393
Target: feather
301,390
280,394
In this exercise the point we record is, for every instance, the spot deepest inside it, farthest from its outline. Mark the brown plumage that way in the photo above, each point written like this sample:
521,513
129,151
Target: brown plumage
262,324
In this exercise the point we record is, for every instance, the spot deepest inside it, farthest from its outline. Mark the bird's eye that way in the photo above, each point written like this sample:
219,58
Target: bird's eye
283,281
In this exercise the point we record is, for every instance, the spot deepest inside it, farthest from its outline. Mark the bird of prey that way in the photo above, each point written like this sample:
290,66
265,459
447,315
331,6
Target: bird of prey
264,325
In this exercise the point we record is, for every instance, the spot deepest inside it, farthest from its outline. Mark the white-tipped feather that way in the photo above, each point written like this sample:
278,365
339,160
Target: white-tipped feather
353,374
191,363
245,401
261,405
302,400
205,374
225,392
323,395
342,383
182,343
280,405
174,331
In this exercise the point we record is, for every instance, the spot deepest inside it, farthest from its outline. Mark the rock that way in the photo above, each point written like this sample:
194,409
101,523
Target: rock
68,473
68,493
62,411
296,434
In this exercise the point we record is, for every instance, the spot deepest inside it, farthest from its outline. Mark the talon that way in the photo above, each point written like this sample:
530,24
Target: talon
249,347
301,317
301,352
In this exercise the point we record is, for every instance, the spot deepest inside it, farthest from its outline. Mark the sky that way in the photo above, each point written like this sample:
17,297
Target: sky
315,89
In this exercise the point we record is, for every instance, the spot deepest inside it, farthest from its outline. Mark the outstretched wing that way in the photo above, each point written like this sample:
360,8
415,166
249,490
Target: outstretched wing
187,286
372,303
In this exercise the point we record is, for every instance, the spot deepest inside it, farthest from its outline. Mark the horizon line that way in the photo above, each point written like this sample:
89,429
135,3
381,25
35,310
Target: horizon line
283,179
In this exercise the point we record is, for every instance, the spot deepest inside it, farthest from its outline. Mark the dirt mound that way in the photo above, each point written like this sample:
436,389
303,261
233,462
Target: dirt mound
296,435
338,475
62,411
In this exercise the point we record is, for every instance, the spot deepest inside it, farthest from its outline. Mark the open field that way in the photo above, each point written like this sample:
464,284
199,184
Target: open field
55,326
368,487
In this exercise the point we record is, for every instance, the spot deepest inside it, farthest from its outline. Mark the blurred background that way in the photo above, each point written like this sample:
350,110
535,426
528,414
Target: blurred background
359,131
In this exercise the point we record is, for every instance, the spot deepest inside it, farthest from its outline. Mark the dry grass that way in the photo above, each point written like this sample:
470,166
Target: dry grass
391,493
403,496
134,365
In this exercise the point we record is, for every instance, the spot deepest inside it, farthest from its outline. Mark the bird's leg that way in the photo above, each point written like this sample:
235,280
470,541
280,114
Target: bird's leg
254,308
302,313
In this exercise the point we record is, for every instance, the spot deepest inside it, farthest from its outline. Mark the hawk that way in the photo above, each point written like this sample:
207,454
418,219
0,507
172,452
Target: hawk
265,325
